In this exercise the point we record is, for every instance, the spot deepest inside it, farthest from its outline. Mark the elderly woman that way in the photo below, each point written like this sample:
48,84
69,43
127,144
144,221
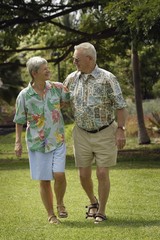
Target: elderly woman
38,105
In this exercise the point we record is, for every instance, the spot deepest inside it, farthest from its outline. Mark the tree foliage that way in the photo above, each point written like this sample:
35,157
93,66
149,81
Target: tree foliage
51,29
118,29
71,22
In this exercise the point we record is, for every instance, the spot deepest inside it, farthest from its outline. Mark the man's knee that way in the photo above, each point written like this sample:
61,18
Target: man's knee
85,173
102,174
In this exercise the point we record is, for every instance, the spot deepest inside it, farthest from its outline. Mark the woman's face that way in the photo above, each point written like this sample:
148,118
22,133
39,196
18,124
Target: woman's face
43,73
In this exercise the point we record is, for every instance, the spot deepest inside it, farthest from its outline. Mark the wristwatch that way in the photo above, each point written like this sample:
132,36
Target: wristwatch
122,127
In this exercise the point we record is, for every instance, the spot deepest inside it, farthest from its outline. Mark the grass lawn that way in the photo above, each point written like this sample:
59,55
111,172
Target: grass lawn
133,206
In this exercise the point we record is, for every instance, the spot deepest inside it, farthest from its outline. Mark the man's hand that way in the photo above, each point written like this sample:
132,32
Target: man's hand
120,138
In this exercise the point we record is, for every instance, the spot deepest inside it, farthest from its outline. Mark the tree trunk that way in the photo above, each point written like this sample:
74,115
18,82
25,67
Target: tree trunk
143,137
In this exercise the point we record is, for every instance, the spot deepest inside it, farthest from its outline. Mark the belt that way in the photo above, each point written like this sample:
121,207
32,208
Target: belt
99,129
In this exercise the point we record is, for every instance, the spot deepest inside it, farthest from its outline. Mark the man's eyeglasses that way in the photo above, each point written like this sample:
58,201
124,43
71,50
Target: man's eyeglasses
76,60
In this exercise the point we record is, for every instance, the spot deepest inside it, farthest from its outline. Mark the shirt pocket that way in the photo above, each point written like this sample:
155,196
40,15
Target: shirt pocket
97,94
98,101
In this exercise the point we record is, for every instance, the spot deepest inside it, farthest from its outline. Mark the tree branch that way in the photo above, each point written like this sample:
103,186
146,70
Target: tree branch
68,46
26,19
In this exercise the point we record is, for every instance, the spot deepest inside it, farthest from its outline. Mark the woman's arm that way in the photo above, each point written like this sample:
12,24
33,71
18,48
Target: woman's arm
18,144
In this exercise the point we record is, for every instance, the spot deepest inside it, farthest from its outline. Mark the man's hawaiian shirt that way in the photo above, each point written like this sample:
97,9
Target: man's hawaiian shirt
94,98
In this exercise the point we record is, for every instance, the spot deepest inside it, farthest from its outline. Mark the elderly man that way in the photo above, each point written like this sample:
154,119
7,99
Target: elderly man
96,100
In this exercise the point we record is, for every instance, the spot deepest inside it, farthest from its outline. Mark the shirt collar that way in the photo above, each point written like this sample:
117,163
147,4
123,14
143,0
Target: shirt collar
94,73
31,90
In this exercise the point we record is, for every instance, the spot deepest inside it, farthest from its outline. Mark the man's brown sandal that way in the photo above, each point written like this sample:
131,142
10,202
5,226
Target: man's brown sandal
53,220
61,210
91,214
99,218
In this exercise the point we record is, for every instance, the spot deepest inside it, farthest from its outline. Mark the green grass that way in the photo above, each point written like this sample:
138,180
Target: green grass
133,206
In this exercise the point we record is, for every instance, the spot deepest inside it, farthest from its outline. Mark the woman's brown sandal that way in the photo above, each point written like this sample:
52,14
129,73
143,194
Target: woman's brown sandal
53,220
92,213
61,210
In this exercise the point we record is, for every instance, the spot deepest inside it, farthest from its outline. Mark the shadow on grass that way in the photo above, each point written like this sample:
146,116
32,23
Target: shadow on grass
126,160
138,159
14,164
129,160
113,222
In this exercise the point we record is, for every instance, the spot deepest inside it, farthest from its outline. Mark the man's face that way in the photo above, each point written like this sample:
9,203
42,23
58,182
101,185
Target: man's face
81,61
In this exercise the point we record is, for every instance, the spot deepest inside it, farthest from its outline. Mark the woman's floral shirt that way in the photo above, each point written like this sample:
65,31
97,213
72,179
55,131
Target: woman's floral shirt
45,125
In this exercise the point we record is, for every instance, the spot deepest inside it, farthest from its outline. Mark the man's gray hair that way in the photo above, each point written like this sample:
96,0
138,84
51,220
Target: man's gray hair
34,63
88,49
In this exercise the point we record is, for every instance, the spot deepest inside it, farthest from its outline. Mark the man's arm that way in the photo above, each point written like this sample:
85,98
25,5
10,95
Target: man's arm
120,134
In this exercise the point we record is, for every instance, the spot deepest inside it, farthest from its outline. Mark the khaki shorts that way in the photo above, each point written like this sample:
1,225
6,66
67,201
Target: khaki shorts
97,147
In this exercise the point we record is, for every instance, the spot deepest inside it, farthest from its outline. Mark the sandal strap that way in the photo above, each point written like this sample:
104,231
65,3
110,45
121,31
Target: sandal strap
102,216
60,206
53,219
62,213
92,206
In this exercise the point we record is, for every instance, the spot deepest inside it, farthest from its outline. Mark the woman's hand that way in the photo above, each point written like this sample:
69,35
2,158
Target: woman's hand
18,149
